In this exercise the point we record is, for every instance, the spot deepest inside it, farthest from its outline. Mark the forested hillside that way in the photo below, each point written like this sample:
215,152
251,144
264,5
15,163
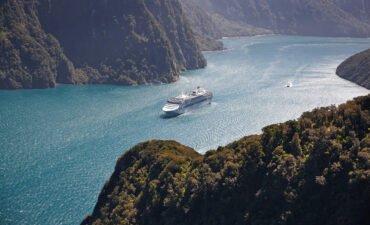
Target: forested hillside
357,8
108,42
314,170
30,58
356,69
348,18
210,27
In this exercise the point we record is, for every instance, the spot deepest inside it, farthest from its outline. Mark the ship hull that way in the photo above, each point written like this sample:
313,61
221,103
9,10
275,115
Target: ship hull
173,113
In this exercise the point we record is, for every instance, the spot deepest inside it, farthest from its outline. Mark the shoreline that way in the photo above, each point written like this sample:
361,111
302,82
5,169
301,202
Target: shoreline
239,37
234,37
216,51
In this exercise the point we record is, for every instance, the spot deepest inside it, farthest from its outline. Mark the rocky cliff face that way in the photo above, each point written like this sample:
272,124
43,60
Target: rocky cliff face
356,69
30,58
314,170
109,42
209,27
305,17
357,8
170,15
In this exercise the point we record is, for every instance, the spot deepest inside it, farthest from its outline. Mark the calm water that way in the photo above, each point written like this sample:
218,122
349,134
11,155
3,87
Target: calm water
58,146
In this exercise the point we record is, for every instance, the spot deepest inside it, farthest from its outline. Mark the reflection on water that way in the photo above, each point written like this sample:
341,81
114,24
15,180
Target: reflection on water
60,145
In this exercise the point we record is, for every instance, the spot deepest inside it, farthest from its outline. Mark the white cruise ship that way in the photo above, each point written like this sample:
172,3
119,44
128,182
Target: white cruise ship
180,104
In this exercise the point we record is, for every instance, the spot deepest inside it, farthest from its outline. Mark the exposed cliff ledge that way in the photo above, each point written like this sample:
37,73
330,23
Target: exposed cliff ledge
109,42
356,69
311,171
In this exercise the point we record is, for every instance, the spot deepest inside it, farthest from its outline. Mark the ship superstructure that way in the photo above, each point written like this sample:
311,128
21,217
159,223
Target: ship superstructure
180,104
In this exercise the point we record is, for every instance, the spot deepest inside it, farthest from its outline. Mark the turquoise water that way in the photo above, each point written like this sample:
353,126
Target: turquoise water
59,146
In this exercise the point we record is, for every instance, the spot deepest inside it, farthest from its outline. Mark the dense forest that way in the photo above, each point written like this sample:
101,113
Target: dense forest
30,58
356,69
313,170
44,42
349,18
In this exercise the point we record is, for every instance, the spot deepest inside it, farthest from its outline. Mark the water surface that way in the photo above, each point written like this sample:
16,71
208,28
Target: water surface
59,146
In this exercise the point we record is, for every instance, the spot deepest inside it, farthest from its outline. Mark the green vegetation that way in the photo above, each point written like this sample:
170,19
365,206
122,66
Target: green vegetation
109,42
29,58
356,69
314,170
303,17
209,27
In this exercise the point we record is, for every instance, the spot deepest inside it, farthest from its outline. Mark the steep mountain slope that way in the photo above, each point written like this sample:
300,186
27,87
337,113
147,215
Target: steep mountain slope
111,42
171,17
30,58
208,27
356,69
311,171
357,8
204,28
304,17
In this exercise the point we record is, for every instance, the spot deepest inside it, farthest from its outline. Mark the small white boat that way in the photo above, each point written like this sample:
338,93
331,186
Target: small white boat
289,84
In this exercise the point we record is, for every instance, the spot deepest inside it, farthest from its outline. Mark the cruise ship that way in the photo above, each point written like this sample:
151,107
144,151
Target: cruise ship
180,104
